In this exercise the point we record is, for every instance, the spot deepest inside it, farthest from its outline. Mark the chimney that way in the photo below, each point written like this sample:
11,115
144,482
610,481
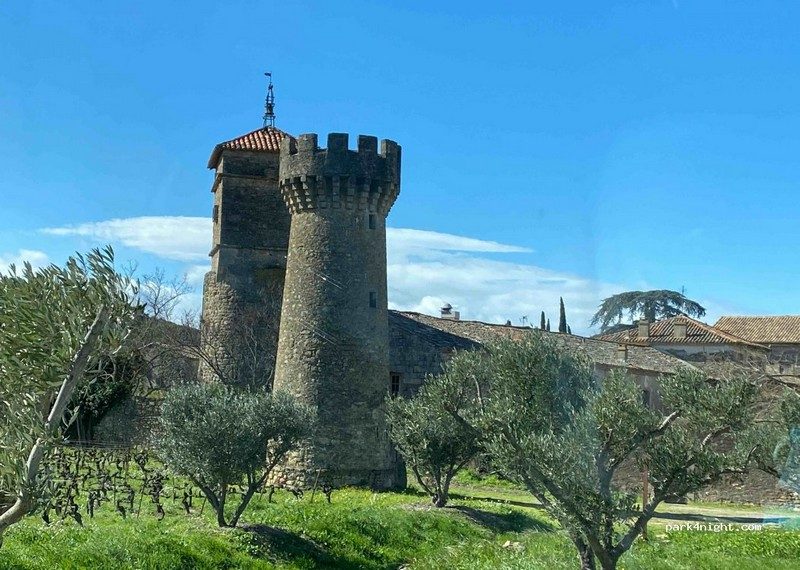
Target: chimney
679,328
622,352
644,328
449,314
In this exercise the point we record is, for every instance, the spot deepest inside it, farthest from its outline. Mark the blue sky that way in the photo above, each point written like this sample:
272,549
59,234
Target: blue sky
573,149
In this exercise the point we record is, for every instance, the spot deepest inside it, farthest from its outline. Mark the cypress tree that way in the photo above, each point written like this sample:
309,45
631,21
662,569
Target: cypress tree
542,323
562,316
548,325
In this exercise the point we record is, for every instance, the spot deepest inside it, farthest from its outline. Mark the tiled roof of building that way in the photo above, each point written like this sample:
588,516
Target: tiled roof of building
431,335
601,352
663,332
764,330
266,139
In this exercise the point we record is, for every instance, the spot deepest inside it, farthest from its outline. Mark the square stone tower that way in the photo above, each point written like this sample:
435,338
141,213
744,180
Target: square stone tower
242,292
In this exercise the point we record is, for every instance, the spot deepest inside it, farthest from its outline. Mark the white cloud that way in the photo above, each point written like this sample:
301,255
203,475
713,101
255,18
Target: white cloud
34,257
180,238
425,269
408,239
196,273
489,290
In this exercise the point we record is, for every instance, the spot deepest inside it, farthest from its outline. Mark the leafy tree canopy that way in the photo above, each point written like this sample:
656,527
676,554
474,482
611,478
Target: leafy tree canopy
56,324
433,443
651,305
546,422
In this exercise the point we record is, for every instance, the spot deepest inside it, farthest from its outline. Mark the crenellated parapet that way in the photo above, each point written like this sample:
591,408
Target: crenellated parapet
337,177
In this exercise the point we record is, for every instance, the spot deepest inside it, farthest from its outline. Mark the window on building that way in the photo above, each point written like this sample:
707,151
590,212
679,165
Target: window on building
394,384
646,397
373,299
215,213
371,221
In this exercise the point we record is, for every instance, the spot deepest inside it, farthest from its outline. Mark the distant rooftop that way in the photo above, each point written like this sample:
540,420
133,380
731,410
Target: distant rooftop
462,334
266,139
765,330
664,332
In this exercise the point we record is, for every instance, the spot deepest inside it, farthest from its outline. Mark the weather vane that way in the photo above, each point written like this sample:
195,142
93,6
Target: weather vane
269,104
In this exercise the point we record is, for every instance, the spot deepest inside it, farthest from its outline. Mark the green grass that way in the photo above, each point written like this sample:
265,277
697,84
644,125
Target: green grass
361,529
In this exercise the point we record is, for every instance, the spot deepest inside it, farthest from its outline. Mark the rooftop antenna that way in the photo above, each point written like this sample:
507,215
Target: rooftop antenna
269,104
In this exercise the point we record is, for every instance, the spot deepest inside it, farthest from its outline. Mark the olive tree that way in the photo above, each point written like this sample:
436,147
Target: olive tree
433,443
57,324
228,439
547,423
775,440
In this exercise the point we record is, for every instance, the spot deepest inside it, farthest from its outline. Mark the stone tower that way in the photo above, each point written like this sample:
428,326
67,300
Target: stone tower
242,292
333,351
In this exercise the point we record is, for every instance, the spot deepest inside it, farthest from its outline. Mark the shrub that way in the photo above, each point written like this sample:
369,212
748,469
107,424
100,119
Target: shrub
222,437
433,442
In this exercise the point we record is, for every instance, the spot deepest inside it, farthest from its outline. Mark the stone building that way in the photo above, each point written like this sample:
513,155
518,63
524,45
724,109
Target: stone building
298,279
421,344
242,292
764,347
298,276
333,348
780,334
688,339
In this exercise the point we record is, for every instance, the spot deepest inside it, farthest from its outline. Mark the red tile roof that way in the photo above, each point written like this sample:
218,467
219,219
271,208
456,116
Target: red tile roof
266,139
662,332
764,330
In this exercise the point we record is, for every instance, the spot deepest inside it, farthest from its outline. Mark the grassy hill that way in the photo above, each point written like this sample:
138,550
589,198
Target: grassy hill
360,529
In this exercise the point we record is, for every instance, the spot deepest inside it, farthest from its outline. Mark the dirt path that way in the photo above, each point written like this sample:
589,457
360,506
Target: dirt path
741,514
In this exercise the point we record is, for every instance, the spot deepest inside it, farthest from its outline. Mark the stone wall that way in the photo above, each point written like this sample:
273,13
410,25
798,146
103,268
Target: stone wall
413,359
756,487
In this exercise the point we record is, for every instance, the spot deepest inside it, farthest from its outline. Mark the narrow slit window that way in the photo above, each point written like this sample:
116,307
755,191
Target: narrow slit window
371,221
215,213
373,299
394,385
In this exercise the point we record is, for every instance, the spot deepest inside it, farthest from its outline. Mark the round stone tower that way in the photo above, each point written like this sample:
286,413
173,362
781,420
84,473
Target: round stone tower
333,351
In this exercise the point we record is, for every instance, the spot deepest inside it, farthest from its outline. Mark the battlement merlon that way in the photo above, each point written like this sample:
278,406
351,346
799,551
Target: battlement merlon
337,177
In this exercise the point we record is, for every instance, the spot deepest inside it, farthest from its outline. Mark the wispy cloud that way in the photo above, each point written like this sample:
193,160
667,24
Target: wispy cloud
196,273
423,279
179,238
422,240
425,269
34,257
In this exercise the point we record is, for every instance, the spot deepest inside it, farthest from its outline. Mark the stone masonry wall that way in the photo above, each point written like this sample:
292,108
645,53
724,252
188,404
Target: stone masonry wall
413,359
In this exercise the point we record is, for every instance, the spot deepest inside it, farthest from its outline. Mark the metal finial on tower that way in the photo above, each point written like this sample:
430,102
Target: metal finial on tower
269,104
